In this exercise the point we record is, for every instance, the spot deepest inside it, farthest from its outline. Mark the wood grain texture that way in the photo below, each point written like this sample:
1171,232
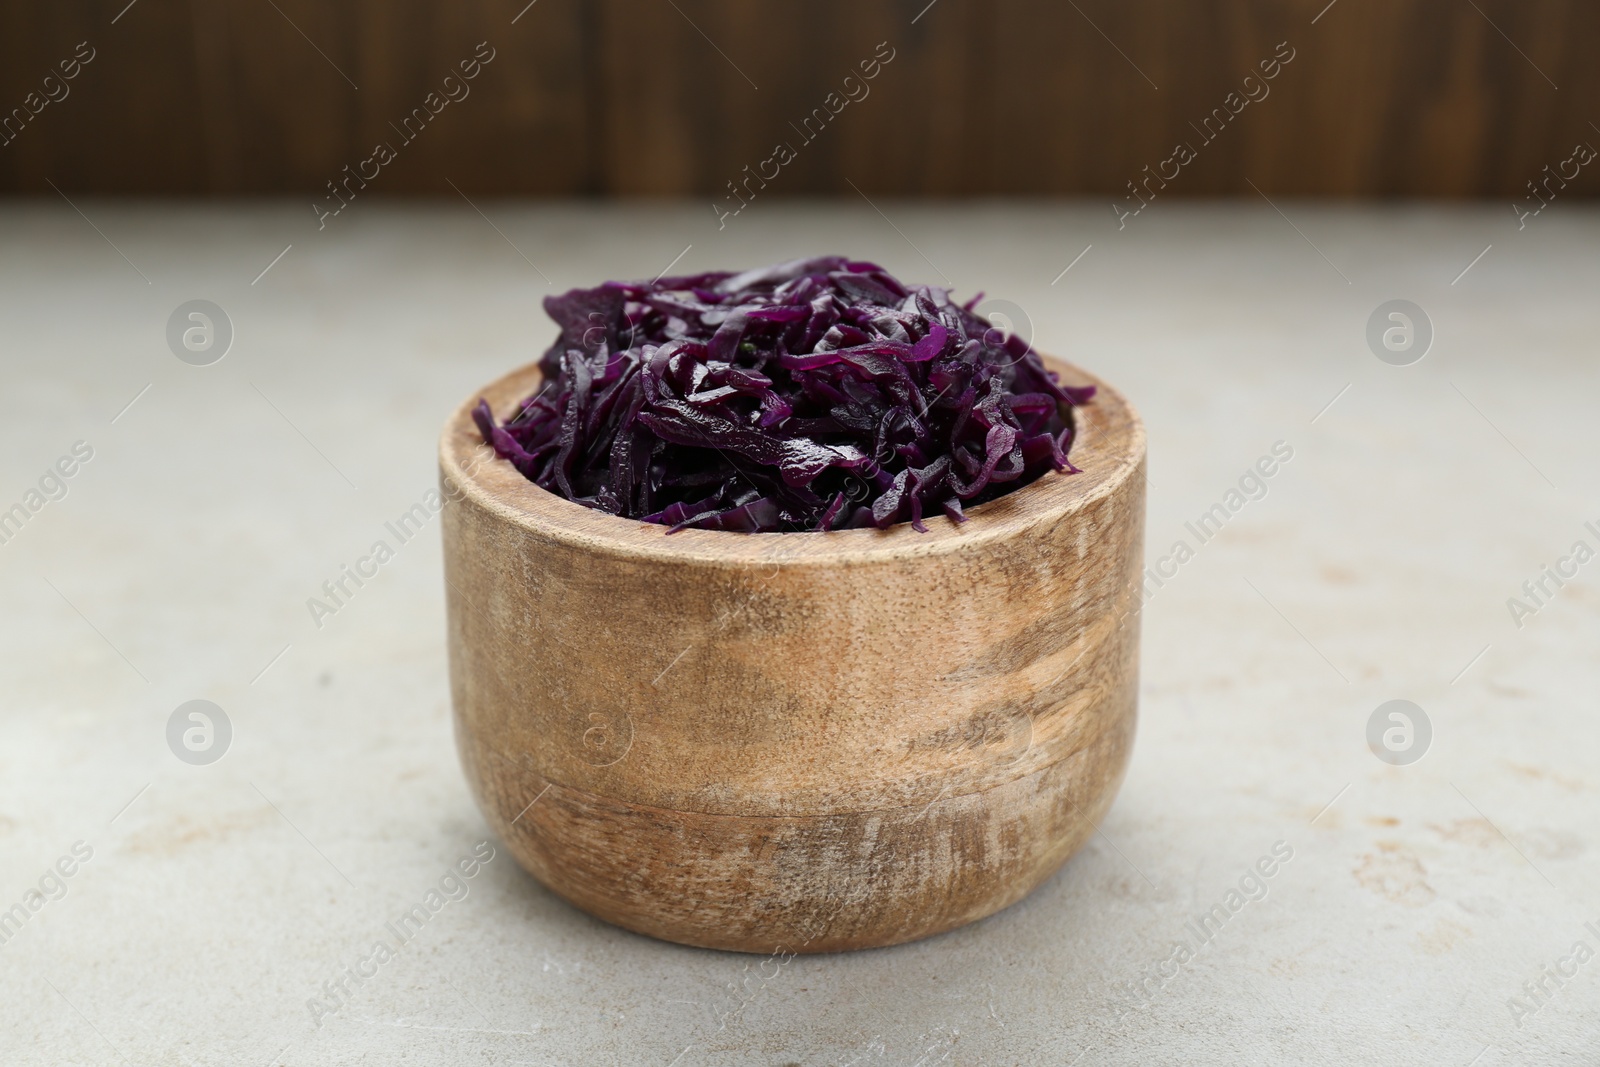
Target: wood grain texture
814,741
645,97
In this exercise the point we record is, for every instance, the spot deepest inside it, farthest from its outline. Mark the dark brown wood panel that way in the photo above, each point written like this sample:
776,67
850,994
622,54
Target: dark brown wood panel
1447,98
127,120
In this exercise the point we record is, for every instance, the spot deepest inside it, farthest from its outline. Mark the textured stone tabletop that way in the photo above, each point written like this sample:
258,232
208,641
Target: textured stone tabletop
176,519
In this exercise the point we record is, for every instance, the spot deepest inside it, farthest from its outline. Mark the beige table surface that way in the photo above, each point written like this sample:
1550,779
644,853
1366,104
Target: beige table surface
219,899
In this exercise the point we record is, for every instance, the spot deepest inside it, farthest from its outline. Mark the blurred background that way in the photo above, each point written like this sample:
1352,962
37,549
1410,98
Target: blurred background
1382,98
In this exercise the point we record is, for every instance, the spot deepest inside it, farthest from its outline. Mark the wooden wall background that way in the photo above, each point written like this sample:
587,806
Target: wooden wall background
1451,98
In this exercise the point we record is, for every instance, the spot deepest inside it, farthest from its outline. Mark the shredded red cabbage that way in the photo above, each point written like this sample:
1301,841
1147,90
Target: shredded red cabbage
819,394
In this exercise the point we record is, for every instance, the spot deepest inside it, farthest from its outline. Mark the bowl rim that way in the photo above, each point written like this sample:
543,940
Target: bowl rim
1110,449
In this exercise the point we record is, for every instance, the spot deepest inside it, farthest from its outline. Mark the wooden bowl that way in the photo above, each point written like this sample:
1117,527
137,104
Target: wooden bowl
800,741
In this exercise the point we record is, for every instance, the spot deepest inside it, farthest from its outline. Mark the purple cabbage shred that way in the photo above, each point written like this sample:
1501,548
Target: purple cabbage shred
819,394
